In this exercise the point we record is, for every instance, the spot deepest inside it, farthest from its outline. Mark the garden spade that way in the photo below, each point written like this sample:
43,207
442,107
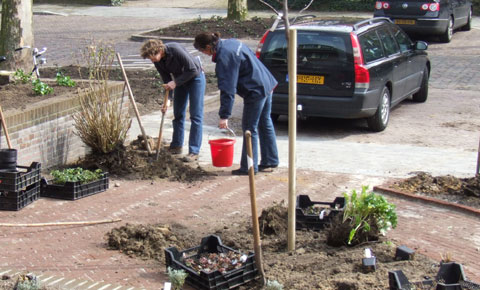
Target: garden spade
160,133
253,201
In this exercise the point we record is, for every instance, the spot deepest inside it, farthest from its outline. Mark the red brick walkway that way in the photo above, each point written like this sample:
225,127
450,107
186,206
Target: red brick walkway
80,251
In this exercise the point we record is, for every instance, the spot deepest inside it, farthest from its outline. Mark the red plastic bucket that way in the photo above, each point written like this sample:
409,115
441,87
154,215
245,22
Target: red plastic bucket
222,152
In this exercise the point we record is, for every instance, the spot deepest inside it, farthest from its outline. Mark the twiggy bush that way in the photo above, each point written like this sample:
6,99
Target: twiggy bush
100,123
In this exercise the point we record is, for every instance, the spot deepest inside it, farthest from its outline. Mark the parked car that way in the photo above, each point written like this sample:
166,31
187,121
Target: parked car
428,17
346,70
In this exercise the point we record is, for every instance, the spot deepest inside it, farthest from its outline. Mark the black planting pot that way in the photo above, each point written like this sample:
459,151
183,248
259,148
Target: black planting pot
8,159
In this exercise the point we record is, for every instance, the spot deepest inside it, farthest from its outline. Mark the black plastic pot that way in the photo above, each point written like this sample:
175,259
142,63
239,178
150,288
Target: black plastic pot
8,159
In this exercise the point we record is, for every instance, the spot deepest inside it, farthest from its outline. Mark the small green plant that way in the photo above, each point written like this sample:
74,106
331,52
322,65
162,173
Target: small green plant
117,2
366,209
22,76
273,285
41,88
63,80
27,282
75,175
177,278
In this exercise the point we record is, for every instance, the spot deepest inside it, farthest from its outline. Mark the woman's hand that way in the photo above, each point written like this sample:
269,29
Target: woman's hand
223,124
171,85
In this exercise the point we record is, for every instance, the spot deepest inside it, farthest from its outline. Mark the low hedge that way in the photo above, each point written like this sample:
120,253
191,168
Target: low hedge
84,2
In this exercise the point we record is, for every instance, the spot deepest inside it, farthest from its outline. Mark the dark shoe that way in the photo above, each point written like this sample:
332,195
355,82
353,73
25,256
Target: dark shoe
190,158
265,167
240,172
175,150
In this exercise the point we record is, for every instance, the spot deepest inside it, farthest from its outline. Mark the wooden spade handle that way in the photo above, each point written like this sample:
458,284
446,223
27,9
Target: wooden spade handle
4,126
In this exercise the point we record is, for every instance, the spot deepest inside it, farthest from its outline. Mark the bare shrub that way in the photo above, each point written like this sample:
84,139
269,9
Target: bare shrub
100,123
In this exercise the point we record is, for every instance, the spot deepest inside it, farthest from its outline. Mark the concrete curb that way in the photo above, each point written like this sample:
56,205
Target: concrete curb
140,38
385,189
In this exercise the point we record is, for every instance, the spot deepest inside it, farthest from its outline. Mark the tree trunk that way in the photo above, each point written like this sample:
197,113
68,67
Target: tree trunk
237,9
16,31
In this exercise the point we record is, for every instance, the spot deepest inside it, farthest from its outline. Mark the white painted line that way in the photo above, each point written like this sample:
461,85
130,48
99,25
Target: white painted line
104,287
56,281
5,272
45,280
83,283
93,285
70,282
117,288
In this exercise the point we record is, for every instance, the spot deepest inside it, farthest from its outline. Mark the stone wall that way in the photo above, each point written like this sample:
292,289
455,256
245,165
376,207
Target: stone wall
44,131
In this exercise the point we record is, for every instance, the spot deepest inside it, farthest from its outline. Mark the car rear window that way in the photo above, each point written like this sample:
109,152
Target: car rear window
313,48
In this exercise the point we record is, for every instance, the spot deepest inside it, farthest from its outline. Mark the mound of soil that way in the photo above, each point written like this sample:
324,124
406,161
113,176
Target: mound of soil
253,28
313,265
134,162
464,191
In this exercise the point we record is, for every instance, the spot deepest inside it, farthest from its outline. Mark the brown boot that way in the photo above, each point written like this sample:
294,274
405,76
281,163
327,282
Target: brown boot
175,150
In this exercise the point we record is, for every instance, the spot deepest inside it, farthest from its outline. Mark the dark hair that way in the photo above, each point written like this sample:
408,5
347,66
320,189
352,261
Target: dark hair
206,38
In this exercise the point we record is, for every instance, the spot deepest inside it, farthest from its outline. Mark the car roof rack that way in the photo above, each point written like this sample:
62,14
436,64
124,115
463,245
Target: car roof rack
362,23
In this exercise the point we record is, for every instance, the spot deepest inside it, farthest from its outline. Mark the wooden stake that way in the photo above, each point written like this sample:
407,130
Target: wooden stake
4,126
160,133
253,201
130,94
61,223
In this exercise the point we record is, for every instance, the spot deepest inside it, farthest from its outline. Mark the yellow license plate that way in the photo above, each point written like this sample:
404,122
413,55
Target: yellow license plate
404,21
308,79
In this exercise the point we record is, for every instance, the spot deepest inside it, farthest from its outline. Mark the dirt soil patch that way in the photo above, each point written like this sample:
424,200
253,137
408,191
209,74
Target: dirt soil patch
465,191
313,265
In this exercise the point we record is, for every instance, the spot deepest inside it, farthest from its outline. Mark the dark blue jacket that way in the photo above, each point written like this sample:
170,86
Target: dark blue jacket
240,72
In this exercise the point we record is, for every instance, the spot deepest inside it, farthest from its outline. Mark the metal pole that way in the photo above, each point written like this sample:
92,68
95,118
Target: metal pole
478,160
134,105
292,135
253,202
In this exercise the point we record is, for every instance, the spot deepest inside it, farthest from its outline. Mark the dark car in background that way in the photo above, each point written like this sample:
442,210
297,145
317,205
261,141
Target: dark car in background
346,70
428,17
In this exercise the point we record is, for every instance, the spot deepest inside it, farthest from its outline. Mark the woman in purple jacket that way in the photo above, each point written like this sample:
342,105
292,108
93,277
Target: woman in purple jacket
182,74
240,72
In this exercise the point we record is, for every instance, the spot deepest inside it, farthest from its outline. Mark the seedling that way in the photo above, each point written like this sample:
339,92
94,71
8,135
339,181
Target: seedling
177,277
41,88
65,81
273,285
22,76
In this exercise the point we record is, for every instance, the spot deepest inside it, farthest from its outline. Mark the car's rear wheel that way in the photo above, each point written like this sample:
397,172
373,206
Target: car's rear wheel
447,35
468,26
422,94
379,121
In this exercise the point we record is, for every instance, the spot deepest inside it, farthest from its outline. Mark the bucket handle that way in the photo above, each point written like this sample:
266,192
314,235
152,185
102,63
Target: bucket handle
230,132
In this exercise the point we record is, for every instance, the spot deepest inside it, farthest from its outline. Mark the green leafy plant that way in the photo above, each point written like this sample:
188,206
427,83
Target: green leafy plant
63,80
41,88
177,278
273,285
27,282
117,2
75,175
22,76
367,211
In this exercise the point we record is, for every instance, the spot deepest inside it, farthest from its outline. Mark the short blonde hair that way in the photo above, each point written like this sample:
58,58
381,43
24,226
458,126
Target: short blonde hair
151,48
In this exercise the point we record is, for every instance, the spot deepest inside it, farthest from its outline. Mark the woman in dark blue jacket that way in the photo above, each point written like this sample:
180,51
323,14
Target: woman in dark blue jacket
240,72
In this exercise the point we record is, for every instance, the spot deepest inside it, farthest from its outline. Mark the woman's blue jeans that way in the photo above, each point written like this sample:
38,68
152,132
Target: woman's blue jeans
191,92
256,118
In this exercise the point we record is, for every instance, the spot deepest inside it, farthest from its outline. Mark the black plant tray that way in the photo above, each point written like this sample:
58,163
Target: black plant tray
213,280
73,190
19,179
19,199
305,220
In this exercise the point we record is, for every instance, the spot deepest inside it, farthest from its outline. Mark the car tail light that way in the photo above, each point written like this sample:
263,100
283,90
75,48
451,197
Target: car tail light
260,44
431,6
382,5
362,75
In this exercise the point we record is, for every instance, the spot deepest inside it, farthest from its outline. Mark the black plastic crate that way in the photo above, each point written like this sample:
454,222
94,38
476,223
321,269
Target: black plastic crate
19,199
328,210
213,280
73,190
16,180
